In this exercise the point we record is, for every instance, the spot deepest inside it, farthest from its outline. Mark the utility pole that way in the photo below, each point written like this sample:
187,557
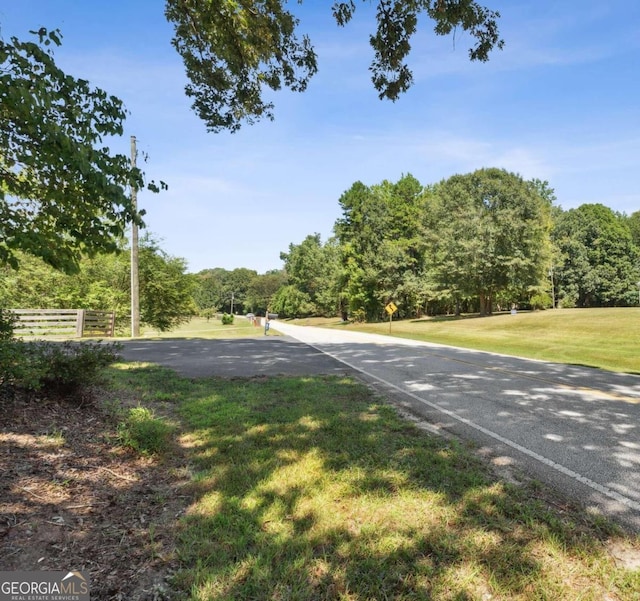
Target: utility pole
135,281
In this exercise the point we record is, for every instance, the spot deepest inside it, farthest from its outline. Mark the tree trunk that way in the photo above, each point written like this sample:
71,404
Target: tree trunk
485,304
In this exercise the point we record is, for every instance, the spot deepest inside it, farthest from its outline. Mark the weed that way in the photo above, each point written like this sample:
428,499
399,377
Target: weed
143,432
55,439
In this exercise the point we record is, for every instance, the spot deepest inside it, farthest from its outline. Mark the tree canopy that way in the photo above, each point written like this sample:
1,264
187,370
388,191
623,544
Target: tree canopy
235,51
382,245
103,283
490,234
312,270
463,244
598,261
62,191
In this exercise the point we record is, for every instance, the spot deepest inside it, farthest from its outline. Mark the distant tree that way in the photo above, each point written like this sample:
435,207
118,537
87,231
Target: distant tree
215,288
489,234
208,293
290,301
166,289
235,52
330,298
36,285
312,273
598,261
263,290
633,221
62,192
237,285
382,245
103,282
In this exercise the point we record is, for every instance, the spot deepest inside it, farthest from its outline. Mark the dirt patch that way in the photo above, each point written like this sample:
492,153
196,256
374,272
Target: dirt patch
72,499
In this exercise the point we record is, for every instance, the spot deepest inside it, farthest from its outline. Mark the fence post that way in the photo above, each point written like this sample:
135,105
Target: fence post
80,323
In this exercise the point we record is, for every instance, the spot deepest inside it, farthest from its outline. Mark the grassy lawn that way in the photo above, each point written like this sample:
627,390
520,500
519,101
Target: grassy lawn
199,327
606,338
314,488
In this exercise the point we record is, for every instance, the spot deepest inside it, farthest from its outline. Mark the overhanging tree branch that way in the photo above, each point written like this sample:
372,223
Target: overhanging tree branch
235,50
62,191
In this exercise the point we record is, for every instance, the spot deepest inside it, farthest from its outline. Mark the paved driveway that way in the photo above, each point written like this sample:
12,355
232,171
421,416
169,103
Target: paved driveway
575,428
242,357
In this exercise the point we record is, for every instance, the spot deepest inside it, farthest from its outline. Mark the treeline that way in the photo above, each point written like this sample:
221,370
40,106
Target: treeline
169,295
236,291
479,242
104,283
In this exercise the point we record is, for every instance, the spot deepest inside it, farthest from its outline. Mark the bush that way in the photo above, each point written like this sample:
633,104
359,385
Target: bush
18,366
227,319
7,322
542,300
73,365
208,313
358,316
143,432
568,300
65,367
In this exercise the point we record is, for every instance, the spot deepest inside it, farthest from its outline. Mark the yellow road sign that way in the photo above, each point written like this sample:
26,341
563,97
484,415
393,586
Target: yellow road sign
391,308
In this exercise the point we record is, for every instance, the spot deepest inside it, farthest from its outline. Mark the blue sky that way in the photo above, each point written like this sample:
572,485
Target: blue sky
559,103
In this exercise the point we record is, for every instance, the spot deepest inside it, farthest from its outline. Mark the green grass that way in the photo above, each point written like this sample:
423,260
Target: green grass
314,488
142,431
606,338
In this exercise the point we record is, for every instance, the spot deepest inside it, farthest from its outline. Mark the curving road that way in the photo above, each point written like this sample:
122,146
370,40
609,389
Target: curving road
573,427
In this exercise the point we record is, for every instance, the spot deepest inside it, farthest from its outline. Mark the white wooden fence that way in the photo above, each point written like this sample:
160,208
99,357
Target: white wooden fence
64,322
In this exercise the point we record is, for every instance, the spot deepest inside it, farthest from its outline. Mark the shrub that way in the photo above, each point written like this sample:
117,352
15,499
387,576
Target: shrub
227,319
7,322
65,367
358,316
143,432
542,300
73,365
19,367
568,300
208,313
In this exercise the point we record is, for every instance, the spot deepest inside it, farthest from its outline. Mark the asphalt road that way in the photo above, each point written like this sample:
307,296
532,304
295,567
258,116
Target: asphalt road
575,428
241,357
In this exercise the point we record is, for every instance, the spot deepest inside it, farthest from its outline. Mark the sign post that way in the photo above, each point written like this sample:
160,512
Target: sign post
390,309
